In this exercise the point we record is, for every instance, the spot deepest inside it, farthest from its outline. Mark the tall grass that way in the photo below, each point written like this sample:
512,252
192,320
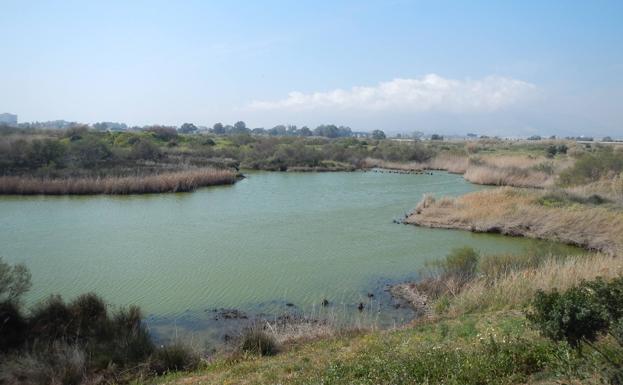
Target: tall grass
515,287
179,181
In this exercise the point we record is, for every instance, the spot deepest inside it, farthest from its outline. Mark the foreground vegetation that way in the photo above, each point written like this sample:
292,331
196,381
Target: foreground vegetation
78,342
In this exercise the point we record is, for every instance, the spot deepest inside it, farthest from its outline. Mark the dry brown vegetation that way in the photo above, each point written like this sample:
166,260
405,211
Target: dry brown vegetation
520,213
496,170
611,189
178,181
401,166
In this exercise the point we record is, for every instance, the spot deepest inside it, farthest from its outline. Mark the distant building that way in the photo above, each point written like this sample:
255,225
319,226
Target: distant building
8,119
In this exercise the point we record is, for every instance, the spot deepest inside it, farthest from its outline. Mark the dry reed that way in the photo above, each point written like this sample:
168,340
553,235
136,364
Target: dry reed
516,287
508,170
179,181
517,212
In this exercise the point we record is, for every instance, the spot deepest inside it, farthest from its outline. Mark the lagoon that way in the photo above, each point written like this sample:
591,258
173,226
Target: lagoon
272,238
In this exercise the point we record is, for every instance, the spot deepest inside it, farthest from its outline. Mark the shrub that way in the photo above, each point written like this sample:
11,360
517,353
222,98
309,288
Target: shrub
581,315
145,149
15,280
591,167
50,320
13,326
573,316
59,364
131,342
89,318
173,358
257,341
461,263
563,198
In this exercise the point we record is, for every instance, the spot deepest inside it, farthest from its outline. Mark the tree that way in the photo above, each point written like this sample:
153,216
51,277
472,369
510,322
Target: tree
417,135
45,152
145,149
240,127
162,132
436,137
292,130
14,281
188,128
278,130
378,134
328,130
305,131
218,128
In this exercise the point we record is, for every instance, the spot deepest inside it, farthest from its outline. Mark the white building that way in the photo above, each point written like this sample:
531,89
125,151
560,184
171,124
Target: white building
8,119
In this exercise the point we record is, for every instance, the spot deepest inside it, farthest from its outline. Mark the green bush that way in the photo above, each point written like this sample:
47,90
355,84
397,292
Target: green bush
461,263
558,198
581,315
590,167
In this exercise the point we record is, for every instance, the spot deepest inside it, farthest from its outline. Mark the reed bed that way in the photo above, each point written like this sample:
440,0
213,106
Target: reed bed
507,176
515,288
611,189
518,212
177,181
402,166
456,164
511,170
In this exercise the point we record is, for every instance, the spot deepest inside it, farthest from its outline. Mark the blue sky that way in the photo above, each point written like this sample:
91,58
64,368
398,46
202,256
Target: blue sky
492,67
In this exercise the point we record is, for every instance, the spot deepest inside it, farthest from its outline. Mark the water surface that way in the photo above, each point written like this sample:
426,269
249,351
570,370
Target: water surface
270,239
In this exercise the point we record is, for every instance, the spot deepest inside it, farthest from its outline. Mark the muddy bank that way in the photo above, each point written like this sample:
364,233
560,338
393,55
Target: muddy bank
220,328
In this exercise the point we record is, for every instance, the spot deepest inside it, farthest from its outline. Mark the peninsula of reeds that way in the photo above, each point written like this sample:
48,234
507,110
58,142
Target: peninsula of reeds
166,182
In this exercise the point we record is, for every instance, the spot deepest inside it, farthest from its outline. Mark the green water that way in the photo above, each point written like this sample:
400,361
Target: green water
271,237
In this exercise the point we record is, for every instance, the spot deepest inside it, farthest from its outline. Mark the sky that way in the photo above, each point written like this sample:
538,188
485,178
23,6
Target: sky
451,67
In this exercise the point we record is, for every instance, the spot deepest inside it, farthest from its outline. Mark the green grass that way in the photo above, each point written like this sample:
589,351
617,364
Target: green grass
491,348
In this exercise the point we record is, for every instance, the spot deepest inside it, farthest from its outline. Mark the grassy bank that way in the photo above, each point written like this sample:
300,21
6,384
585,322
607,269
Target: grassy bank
176,181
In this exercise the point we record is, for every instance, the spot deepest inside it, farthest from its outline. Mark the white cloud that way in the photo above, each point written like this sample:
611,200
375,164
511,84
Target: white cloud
428,93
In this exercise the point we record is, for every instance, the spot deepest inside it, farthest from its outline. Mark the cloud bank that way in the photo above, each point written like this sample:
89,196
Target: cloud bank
429,93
